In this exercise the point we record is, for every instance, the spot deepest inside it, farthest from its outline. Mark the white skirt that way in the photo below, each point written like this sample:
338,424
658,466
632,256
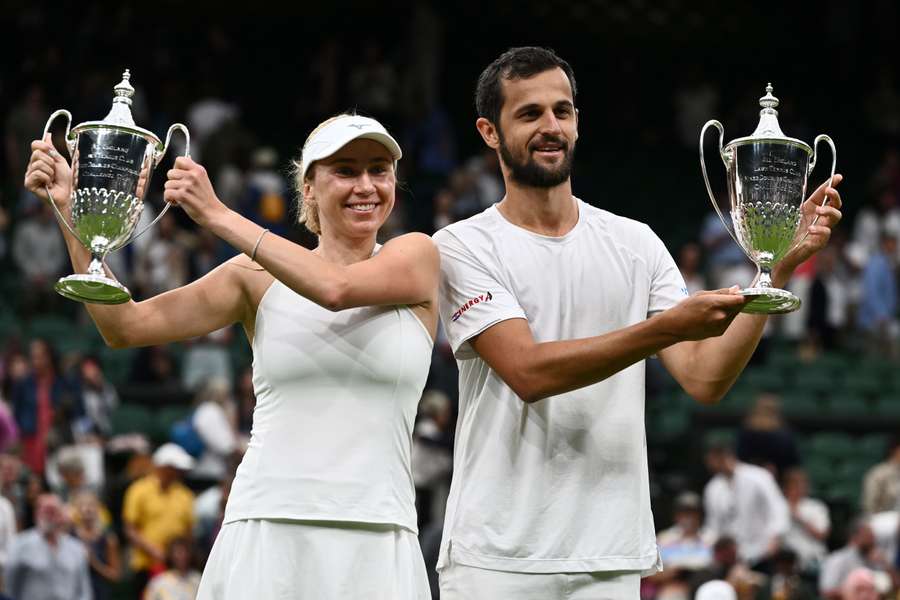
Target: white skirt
260,559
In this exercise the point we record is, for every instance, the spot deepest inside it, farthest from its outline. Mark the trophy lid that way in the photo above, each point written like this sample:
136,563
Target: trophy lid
119,116
768,117
768,128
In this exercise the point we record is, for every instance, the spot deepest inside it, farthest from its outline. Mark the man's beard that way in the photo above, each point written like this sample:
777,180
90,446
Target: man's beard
530,173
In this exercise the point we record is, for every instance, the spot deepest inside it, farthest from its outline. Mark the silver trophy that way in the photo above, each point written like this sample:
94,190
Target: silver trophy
112,161
767,173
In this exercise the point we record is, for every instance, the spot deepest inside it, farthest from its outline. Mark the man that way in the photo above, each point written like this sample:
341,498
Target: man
881,486
877,315
684,547
157,509
860,551
744,501
810,521
545,301
45,562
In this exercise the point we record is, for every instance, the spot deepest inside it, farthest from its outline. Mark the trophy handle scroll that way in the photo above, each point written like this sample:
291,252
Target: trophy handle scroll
812,165
71,147
157,156
727,160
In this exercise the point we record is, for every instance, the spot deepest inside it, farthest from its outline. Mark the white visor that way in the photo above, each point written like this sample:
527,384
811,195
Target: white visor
340,132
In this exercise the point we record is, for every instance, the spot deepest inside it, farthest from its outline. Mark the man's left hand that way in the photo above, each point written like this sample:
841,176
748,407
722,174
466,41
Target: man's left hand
818,234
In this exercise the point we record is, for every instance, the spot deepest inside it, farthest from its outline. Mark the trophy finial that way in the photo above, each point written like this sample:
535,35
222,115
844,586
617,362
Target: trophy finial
120,114
768,101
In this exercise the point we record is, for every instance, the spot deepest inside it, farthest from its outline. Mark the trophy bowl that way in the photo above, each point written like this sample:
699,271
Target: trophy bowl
112,161
767,174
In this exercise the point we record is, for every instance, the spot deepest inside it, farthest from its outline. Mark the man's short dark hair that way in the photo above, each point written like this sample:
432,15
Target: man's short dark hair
515,63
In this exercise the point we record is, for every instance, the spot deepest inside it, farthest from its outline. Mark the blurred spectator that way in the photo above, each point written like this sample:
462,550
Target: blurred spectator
35,400
181,580
4,227
209,512
695,100
8,529
689,259
744,502
157,509
23,124
810,521
265,200
207,255
9,431
98,396
40,255
443,209
154,376
14,484
207,358
432,456
872,221
786,582
860,585
162,264
725,566
45,562
829,299
881,486
246,402
206,115
726,262
101,544
373,82
877,316
214,419
716,590
765,440
685,548
859,552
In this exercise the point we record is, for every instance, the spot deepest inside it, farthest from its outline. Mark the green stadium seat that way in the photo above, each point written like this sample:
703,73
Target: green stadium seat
887,406
848,404
764,379
131,418
815,378
117,363
51,328
873,446
864,382
800,405
831,445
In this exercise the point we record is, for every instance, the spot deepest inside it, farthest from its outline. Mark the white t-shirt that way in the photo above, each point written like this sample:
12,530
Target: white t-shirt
811,551
560,485
749,507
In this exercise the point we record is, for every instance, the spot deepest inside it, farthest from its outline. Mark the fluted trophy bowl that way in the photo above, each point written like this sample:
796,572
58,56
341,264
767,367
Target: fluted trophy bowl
112,161
767,174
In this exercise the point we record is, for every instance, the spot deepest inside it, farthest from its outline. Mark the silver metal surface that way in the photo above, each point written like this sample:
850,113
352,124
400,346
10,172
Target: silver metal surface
112,161
767,178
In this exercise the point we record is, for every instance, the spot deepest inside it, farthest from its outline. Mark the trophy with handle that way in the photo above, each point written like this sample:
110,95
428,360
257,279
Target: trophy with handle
112,161
766,173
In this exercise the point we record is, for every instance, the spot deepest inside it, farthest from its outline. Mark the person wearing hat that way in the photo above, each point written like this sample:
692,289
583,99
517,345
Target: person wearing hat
157,509
684,547
322,505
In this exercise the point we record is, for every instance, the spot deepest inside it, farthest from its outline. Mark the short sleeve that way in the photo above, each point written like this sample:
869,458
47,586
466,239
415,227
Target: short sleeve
667,287
472,298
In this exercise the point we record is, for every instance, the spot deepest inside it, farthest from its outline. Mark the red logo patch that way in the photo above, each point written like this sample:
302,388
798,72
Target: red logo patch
485,297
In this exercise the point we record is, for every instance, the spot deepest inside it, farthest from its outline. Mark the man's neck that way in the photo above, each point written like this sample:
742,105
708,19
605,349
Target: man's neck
546,211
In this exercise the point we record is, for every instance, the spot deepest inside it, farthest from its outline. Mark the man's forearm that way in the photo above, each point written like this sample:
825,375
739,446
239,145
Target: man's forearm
562,366
715,363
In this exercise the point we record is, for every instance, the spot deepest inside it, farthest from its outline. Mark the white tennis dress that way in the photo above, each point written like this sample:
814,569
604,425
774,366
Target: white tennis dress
322,505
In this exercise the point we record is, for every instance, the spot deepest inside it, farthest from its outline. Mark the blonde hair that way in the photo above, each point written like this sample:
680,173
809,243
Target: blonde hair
307,208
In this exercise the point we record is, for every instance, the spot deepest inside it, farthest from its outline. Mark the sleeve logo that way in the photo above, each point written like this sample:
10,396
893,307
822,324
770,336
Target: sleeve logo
485,297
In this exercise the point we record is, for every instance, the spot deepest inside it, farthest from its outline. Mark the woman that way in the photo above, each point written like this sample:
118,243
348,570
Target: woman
100,542
322,505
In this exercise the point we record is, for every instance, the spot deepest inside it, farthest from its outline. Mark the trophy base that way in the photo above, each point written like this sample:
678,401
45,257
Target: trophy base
769,301
92,289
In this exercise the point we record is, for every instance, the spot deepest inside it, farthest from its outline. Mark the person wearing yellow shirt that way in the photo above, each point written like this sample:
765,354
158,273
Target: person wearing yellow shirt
158,508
